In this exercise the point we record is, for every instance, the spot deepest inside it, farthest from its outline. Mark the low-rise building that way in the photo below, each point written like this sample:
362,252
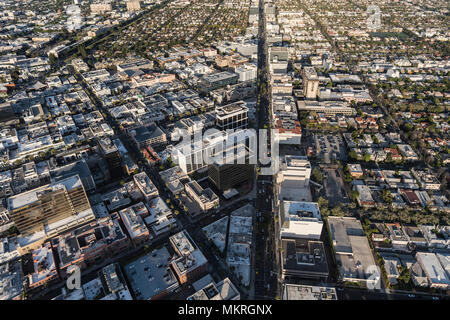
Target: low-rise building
352,251
207,289
190,263
135,226
146,186
205,198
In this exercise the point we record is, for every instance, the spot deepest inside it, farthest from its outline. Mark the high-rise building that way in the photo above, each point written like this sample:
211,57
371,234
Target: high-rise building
233,170
35,210
191,156
112,157
310,83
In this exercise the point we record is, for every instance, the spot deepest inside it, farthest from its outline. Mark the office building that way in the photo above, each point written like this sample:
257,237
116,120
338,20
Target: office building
79,168
90,244
352,251
112,156
207,289
233,169
58,202
246,72
146,186
327,107
232,116
150,277
190,263
217,80
300,220
191,156
310,83
135,226
304,292
151,135
293,178
205,198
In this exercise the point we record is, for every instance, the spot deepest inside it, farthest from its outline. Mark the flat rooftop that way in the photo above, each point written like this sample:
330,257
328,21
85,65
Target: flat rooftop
353,253
31,196
151,275
301,292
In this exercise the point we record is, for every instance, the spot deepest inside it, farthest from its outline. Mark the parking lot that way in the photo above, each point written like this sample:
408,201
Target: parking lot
330,147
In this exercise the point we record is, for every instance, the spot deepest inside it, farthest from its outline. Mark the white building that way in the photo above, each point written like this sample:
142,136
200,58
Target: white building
246,72
300,220
433,269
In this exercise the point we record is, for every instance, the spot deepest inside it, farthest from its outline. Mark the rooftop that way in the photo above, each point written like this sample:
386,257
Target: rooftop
26,198
150,275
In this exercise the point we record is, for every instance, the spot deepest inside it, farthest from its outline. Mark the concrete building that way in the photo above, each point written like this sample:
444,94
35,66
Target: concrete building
327,107
310,83
113,283
246,72
11,280
232,116
207,289
191,156
352,251
135,226
293,179
300,220
190,263
44,266
205,198
146,186
303,292
217,80
62,202
79,168
433,269
160,219
150,277
112,156
148,136
90,244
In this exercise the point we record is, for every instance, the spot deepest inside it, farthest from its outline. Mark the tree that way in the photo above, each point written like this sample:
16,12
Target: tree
337,211
354,195
323,203
82,51
387,196
367,157
317,175
352,154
